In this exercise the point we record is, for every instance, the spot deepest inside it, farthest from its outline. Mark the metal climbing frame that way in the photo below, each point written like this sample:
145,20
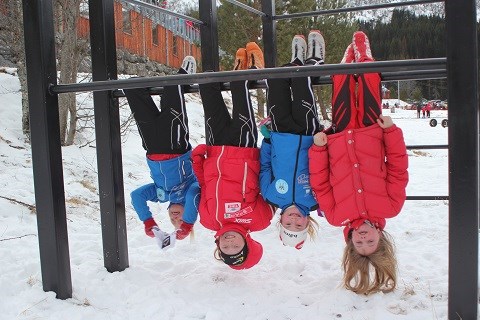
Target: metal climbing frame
460,67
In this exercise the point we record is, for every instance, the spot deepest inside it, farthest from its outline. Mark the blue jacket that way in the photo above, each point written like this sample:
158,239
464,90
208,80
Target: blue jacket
284,175
174,182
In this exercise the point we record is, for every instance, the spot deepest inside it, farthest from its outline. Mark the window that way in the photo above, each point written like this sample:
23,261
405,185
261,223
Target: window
127,22
155,35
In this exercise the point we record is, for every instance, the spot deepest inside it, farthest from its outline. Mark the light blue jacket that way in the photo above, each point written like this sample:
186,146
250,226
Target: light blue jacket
284,175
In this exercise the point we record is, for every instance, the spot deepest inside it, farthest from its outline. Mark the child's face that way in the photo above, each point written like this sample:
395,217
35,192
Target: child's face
231,242
365,239
293,220
175,212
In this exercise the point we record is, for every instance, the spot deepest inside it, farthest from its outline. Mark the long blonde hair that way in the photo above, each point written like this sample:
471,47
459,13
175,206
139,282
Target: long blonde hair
357,267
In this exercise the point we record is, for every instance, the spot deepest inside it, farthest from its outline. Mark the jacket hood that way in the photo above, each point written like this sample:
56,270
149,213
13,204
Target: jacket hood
303,209
255,249
379,224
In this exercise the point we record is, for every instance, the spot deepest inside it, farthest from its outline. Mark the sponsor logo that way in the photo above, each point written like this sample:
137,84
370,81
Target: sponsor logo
161,194
302,179
281,186
243,220
290,234
231,207
239,213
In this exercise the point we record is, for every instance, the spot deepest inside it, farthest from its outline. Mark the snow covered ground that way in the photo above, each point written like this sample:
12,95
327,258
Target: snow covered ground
186,282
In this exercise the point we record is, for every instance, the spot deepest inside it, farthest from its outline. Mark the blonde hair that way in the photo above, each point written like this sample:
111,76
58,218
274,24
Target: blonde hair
356,267
312,227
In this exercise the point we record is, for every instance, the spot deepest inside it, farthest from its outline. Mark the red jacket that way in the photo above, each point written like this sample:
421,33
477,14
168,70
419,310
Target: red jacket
230,191
363,175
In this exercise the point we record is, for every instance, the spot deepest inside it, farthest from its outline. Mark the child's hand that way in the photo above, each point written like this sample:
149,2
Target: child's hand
320,139
385,122
149,225
184,231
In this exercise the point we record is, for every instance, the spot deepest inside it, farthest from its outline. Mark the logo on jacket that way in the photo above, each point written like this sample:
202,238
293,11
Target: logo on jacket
239,213
302,179
231,207
281,186
161,194
243,220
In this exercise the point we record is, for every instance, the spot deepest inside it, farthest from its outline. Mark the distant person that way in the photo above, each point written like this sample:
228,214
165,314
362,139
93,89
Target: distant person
428,107
358,172
419,109
423,111
165,137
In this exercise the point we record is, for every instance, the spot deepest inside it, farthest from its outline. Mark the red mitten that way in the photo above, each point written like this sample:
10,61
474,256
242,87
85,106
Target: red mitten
149,224
184,231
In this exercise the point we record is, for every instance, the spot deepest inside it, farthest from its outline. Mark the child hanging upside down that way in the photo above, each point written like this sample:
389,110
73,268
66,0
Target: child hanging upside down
284,176
165,137
359,174
227,168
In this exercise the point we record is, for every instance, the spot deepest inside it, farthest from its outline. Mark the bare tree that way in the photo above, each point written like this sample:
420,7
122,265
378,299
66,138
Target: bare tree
71,50
11,39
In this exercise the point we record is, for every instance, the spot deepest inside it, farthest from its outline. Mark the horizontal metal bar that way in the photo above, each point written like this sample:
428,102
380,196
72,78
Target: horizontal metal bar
246,7
428,197
166,11
352,9
432,146
415,65
323,80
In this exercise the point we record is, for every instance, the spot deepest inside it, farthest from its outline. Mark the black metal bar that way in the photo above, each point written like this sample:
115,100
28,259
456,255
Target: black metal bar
46,147
323,80
463,130
209,35
353,9
246,7
432,146
269,34
415,66
428,197
108,141
166,11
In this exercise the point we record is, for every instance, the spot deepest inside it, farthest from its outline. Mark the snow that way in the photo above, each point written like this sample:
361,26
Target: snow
185,282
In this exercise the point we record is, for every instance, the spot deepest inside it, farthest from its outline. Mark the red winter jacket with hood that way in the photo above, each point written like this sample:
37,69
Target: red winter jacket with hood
230,194
360,175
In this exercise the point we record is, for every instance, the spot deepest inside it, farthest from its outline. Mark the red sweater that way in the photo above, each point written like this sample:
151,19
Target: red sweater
230,193
361,174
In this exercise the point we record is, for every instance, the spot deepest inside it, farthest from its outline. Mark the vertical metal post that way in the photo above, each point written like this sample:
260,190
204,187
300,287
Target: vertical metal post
209,35
463,130
46,147
269,34
107,130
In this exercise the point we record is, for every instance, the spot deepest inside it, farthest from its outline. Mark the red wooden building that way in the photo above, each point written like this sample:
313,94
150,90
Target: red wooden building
161,38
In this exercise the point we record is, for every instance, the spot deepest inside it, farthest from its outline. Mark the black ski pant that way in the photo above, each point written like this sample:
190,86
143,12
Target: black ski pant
237,130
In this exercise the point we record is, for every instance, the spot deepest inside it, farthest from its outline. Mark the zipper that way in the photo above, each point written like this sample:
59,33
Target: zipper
244,183
295,170
217,186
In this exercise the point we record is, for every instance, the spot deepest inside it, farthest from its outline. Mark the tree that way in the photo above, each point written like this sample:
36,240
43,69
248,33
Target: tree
71,51
11,37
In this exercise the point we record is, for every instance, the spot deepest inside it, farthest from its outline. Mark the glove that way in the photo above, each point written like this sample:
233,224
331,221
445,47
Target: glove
264,131
184,231
149,224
